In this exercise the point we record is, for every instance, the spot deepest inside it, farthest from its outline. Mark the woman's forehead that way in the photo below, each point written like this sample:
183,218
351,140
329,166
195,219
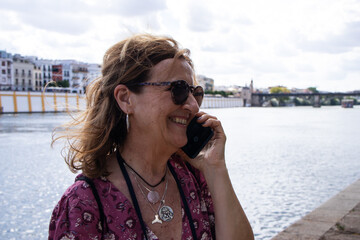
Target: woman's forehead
172,69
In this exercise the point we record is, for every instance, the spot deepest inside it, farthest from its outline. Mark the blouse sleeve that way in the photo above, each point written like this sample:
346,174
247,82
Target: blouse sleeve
76,216
205,195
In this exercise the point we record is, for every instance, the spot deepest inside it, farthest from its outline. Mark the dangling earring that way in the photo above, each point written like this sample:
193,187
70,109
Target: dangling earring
127,123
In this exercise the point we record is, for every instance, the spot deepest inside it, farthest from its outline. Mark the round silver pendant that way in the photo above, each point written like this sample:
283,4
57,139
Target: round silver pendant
153,197
166,213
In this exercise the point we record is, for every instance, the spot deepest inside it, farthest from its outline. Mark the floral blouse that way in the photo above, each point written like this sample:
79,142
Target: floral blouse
76,216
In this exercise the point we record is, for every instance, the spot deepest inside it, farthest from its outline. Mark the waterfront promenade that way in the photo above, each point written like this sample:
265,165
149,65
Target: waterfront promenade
42,102
336,219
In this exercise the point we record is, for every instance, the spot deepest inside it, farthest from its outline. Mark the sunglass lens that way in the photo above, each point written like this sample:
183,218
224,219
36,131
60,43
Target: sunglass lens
180,92
198,94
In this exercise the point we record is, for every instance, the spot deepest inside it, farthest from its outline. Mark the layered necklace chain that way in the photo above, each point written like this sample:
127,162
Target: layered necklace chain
163,212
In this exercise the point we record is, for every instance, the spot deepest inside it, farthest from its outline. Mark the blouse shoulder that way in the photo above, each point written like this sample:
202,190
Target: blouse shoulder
76,213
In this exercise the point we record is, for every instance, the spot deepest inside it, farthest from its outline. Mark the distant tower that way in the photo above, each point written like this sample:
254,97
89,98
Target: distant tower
252,86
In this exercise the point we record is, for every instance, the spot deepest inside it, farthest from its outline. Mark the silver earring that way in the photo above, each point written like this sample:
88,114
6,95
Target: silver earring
127,123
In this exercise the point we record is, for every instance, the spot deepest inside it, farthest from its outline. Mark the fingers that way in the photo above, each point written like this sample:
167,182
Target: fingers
208,120
205,119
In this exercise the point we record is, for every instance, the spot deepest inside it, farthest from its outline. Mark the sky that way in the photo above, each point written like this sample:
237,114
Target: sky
297,43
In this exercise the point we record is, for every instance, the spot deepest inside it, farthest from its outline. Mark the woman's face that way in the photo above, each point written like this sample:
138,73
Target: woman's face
156,117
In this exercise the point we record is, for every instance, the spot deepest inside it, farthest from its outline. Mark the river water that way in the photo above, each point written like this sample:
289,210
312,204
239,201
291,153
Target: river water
283,162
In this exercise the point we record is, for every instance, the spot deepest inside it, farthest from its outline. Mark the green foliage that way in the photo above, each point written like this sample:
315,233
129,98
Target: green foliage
298,101
279,89
302,102
63,84
313,90
52,84
274,102
335,101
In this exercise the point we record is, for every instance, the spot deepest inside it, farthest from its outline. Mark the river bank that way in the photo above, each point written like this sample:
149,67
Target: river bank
336,219
49,102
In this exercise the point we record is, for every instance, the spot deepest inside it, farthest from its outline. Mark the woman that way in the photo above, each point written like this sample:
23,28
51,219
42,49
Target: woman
128,142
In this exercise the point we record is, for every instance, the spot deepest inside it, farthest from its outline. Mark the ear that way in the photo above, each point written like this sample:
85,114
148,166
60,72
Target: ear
122,97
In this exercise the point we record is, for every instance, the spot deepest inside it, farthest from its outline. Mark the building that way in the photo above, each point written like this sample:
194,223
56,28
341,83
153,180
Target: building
205,82
28,73
46,71
5,70
94,72
57,72
22,78
37,76
246,96
79,75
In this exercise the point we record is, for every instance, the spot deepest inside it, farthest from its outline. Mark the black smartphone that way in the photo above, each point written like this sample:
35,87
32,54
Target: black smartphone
198,136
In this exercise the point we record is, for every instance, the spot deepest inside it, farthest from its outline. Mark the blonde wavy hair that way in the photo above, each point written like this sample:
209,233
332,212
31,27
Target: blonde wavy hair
101,127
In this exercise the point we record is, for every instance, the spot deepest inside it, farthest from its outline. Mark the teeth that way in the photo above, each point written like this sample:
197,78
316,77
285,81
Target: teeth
179,120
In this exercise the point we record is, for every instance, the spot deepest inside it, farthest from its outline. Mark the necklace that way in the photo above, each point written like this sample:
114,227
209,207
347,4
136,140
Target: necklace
120,161
152,195
164,212
153,186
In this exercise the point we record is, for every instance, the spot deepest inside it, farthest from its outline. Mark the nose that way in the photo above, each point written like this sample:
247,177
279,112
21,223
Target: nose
191,104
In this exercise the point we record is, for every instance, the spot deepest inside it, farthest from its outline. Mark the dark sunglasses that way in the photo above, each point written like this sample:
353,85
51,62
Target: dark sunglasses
179,90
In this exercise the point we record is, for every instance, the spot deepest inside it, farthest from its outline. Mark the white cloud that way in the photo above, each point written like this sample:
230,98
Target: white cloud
297,43
345,41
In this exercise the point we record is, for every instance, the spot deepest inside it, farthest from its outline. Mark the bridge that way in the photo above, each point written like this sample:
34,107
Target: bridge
257,99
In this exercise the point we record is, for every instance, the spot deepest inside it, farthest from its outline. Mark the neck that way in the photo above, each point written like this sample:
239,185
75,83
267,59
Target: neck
146,158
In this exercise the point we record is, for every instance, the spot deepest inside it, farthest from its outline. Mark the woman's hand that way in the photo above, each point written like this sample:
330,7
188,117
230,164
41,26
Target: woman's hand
230,219
213,154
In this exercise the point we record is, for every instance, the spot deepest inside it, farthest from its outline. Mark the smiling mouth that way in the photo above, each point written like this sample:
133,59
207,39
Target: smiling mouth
179,120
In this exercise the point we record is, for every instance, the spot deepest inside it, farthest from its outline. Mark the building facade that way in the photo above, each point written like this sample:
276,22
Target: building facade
23,69
46,71
205,82
5,70
28,73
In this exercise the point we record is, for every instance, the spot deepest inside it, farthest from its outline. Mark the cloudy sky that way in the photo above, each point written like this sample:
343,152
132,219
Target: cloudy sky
298,43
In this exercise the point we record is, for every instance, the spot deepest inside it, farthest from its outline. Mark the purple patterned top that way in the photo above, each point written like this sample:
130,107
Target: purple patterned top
76,216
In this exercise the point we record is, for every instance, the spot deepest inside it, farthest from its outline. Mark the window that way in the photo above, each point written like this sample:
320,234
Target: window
23,81
35,75
29,81
3,71
16,81
3,63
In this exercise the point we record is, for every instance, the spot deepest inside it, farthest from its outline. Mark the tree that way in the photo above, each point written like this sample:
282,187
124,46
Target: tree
280,89
63,84
313,90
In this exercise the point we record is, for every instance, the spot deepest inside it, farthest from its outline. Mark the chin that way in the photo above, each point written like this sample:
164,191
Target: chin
181,142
